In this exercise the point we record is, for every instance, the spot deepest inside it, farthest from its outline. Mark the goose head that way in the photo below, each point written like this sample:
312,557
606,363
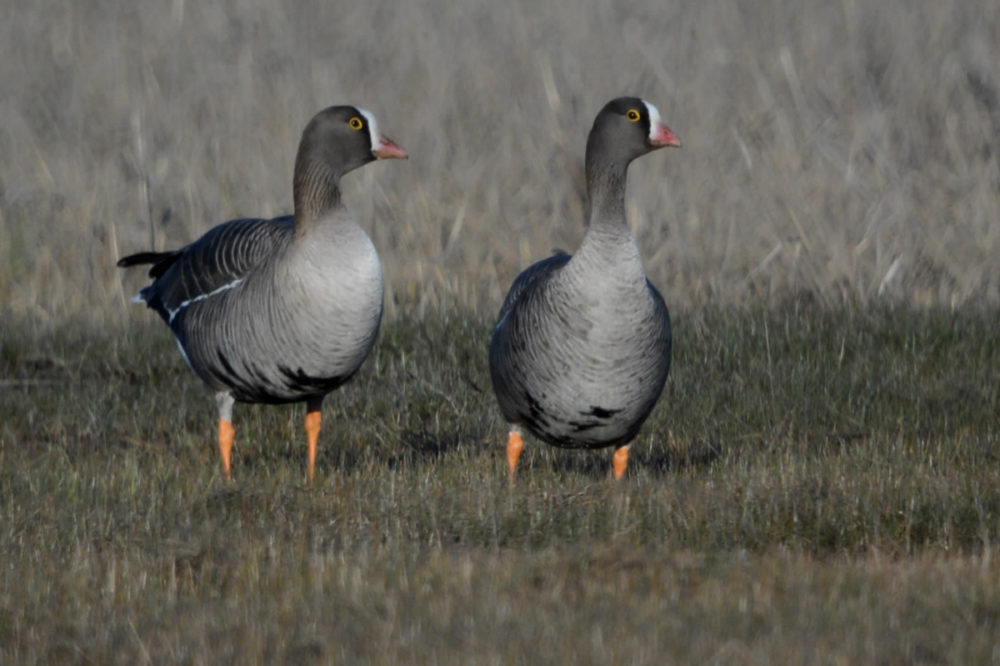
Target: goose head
340,139
626,128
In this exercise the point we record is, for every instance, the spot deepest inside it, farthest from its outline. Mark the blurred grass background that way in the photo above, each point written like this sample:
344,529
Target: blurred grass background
819,483
847,150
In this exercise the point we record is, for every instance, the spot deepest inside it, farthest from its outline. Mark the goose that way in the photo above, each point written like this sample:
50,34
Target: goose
286,309
581,349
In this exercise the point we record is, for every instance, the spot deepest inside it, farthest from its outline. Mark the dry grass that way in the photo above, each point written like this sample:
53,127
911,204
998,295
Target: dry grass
844,149
813,488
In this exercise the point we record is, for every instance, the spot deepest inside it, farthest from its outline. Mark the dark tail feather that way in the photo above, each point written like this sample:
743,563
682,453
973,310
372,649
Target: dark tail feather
143,258
161,261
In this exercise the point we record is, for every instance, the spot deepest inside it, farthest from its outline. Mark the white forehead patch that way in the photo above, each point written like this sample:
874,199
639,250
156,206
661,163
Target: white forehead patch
654,118
373,134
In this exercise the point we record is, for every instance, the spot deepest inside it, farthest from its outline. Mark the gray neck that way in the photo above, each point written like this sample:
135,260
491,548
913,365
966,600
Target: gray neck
608,242
316,191
606,178
606,195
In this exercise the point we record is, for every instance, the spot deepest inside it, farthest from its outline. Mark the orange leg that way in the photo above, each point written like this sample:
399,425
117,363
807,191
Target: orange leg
515,444
620,461
226,435
313,419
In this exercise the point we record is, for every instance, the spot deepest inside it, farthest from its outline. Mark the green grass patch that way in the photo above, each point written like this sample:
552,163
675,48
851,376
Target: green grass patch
813,486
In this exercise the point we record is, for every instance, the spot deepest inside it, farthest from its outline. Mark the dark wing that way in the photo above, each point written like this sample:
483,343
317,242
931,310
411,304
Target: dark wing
663,315
529,277
216,261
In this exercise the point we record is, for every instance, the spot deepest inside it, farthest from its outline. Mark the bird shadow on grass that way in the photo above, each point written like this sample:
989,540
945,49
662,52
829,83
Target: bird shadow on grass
663,462
656,462
409,447
423,443
421,446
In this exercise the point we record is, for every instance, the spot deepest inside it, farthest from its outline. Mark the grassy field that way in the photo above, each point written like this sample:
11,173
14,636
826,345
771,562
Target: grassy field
814,487
819,483
845,149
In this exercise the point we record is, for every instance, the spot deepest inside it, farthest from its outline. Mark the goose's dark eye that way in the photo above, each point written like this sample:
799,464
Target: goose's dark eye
633,115
356,123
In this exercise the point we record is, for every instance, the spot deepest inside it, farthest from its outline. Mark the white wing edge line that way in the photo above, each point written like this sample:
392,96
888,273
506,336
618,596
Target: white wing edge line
201,297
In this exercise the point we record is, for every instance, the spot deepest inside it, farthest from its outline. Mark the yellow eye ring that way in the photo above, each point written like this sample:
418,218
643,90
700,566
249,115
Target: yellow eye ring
633,115
355,123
